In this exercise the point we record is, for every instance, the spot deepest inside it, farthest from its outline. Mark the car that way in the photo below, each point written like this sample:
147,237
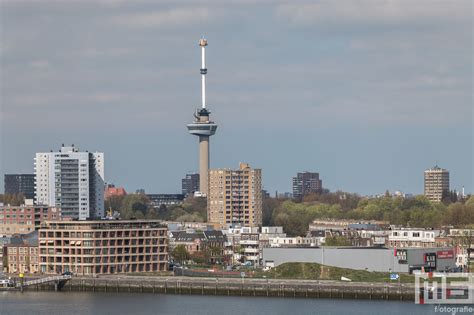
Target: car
6,283
67,273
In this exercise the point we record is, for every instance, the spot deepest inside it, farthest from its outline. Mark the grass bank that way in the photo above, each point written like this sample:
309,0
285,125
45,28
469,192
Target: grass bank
314,271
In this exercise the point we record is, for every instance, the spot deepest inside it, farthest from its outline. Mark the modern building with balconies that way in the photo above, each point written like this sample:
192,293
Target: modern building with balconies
235,197
103,247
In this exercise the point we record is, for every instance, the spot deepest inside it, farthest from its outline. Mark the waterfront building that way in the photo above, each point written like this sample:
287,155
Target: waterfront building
20,184
306,183
190,184
71,180
157,200
25,219
22,254
406,237
436,183
250,248
235,197
103,247
212,242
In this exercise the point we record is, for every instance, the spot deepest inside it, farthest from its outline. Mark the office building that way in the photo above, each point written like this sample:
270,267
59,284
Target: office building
103,247
202,126
25,219
71,180
436,183
306,183
190,184
235,197
20,184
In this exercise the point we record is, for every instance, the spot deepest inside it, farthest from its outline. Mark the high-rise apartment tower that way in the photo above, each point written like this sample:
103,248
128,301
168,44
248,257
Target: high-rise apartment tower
71,180
436,183
306,183
235,197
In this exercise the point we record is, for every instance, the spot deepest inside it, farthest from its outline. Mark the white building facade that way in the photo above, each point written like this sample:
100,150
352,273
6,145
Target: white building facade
71,180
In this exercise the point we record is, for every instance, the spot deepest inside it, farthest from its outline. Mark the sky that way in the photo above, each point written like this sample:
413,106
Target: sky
369,93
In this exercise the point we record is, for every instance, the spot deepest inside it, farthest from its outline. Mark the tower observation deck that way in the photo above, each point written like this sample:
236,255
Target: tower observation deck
202,126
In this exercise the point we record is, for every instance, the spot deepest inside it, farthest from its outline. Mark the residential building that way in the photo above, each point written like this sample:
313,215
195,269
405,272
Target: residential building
20,184
4,240
407,237
306,183
25,219
22,254
190,184
157,200
233,246
436,183
212,242
191,240
71,180
297,241
235,197
112,191
250,248
103,247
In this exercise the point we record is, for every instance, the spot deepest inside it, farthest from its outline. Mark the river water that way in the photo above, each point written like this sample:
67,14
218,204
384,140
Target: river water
78,303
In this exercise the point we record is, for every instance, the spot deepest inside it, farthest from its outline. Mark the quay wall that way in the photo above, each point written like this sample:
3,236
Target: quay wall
239,287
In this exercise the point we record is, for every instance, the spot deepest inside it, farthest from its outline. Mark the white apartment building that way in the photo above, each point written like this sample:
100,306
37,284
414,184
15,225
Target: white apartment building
297,241
412,238
71,180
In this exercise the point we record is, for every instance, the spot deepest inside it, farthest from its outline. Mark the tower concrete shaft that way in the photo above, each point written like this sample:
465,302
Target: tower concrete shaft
204,164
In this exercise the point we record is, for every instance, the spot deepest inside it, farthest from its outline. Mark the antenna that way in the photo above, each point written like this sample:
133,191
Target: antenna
203,44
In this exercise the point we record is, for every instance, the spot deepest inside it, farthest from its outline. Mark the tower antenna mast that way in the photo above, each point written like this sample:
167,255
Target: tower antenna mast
203,44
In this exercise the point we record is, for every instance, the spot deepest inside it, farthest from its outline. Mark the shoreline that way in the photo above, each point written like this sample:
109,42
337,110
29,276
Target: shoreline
283,288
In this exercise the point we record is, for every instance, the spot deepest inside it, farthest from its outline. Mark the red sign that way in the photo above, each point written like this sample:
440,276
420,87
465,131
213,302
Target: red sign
443,254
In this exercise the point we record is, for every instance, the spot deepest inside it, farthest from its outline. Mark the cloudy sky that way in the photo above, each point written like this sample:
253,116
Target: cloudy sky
369,93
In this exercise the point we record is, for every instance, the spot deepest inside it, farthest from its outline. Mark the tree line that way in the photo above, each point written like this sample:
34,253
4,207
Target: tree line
410,212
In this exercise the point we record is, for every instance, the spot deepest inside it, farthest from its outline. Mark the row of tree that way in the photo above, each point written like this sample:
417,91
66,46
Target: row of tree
416,212
12,199
139,206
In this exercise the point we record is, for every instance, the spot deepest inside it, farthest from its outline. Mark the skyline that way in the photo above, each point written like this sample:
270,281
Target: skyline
369,97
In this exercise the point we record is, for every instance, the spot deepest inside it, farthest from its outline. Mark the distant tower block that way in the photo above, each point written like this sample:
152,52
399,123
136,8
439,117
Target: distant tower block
203,127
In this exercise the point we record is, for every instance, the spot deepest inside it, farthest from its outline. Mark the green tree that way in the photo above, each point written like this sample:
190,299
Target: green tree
180,254
12,199
337,241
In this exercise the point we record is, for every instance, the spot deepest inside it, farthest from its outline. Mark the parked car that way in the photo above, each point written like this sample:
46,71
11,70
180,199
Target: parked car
6,283
67,273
